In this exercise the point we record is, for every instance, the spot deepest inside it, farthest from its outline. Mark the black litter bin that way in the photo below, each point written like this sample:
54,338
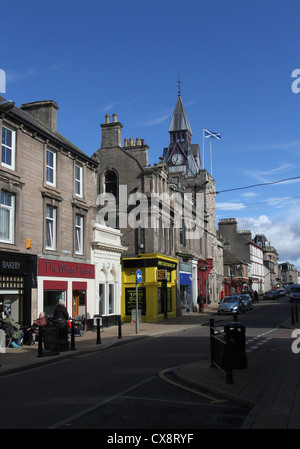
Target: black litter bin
235,335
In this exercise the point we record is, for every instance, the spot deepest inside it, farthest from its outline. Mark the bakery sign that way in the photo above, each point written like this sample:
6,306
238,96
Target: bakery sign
60,268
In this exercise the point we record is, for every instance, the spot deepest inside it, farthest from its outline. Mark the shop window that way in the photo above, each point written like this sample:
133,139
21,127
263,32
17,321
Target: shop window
102,299
106,299
164,300
11,295
111,299
51,298
7,217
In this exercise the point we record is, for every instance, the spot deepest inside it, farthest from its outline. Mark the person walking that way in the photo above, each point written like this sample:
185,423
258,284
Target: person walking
201,301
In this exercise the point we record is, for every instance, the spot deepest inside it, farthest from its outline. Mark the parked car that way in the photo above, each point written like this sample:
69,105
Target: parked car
247,300
294,292
281,291
271,294
231,305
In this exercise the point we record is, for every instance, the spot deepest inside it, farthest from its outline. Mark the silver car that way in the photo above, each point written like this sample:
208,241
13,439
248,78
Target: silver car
231,305
247,300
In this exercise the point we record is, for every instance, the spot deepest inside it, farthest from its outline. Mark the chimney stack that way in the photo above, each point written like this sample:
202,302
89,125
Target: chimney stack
44,111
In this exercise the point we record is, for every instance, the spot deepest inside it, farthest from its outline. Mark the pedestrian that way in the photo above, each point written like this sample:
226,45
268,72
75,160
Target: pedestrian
255,296
34,329
12,329
60,318
201,301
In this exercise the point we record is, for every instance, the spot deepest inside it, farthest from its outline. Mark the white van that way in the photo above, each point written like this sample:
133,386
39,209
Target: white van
294,292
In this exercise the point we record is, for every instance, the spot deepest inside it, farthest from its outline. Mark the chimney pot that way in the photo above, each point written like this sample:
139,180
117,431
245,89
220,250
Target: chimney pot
115,118
107,118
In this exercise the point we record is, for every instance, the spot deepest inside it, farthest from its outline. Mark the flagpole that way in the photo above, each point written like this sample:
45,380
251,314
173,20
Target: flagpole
210,159
203,147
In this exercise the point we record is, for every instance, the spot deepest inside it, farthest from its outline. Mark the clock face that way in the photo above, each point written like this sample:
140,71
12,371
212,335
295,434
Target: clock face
177,159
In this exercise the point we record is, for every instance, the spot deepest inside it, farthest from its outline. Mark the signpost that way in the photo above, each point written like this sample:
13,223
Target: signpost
138,279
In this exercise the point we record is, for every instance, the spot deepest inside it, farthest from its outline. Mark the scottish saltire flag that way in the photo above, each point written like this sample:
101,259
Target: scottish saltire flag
209,134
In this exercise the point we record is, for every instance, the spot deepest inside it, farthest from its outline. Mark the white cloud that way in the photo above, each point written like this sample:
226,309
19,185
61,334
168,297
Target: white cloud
109,106
158,120
262,176
249,194
230,206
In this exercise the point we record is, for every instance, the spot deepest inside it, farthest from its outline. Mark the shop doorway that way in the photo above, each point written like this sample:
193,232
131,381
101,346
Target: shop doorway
79,303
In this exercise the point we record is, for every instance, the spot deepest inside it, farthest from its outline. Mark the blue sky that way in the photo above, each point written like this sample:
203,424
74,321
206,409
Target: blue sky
235,60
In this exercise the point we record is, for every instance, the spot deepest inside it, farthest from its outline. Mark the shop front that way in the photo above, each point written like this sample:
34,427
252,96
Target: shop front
204,269
156,291
71,281
17,285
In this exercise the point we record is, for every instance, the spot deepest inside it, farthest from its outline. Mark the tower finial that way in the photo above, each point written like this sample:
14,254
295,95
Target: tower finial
179,82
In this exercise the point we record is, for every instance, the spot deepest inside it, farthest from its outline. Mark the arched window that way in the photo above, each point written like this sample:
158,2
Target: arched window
111,183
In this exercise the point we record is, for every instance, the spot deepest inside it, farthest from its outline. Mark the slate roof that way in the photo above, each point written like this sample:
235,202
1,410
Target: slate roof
179,120
28,120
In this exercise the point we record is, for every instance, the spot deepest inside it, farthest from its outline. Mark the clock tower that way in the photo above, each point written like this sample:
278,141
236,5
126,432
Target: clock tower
181,156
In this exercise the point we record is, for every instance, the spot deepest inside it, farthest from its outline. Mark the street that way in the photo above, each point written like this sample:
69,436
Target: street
130,386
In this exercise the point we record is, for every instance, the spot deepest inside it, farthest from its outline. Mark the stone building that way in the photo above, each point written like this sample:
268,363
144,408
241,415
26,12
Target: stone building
270,257
240,244
205,254
47,208
134,197
165,210
288,273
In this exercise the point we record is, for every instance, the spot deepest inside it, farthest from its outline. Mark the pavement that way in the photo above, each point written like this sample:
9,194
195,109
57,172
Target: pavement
269,386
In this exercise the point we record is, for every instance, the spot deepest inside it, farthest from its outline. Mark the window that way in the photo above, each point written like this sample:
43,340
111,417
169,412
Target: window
7,217
51,168
50,227
102,299
8,148
111,183
51,298
78,180
111,298
78,234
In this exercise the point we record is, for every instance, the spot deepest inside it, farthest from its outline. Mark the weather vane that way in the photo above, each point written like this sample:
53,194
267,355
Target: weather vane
179,82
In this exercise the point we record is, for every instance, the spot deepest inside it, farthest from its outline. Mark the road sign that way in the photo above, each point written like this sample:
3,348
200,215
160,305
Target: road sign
139,276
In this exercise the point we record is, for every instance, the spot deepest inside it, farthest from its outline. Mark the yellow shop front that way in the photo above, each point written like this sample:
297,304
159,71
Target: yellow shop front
156,291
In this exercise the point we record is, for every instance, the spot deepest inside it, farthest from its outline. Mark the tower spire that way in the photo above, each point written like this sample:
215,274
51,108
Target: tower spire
179,87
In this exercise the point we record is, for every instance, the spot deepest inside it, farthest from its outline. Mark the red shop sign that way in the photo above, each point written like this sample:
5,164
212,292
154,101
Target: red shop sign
60,268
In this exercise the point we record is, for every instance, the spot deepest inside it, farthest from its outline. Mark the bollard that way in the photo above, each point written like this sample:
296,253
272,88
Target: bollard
293,319
119,327
98,342
296,313
228,364
40,345
212,350
72,348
